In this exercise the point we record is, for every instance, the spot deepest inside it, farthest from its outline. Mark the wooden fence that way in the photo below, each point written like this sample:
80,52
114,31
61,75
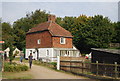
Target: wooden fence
77,66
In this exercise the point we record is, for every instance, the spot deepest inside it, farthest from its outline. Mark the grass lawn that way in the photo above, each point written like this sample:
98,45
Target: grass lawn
16,75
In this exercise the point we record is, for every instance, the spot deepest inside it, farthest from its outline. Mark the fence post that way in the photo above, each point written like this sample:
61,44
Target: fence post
58,62
97,67
82,67
116,73
70,64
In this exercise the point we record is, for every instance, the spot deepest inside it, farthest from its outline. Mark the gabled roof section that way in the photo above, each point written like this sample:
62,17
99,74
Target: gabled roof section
52,27
39,27
114,51
57,30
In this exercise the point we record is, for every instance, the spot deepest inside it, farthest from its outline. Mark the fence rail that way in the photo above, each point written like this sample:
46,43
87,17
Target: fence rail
76,65
48,59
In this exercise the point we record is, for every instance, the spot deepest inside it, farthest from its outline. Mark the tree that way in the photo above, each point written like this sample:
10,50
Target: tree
116,38
89,32
81,31
7,35
11,55
102,32
19,38
22,26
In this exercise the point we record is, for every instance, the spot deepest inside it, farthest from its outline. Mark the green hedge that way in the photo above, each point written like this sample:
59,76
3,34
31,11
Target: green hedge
14,67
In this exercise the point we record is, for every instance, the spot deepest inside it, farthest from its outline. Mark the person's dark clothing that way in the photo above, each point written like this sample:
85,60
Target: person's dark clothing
5,56
30,64
30,61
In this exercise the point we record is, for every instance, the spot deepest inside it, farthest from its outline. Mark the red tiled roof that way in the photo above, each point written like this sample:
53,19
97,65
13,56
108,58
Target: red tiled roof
52,27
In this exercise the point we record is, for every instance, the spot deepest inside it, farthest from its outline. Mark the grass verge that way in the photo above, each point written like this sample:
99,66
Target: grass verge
16,75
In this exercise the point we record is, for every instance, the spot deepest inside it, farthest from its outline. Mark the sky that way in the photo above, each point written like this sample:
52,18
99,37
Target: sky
11,10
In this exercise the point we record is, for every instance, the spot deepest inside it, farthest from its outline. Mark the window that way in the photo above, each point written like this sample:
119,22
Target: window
38,41
30,51
47,52
62,40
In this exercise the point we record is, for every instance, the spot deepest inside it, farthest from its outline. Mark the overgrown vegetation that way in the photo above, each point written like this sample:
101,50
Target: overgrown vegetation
88,31
14,67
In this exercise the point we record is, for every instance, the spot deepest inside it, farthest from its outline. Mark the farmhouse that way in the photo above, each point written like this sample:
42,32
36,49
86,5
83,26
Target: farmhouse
49,40
109,56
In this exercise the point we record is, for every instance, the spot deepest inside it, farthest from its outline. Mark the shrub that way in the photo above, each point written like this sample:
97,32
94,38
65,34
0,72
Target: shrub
24,68
54,64
14,67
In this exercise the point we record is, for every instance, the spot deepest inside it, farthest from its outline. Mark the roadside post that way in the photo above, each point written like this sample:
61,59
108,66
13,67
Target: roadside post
58,62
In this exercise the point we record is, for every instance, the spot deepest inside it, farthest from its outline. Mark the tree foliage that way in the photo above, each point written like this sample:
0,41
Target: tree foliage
7,35
116,37
88,31
11,55
23,25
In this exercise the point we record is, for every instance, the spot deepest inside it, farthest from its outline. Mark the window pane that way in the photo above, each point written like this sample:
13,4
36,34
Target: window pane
38,41
62,40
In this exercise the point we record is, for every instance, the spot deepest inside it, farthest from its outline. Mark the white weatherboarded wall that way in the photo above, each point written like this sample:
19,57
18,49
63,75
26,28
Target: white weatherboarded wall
50,54
42,53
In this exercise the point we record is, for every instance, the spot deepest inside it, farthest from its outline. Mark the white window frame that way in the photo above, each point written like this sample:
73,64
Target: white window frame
64,40
38,41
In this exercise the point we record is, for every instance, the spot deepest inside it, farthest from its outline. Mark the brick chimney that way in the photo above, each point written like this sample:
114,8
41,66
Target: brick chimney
51,18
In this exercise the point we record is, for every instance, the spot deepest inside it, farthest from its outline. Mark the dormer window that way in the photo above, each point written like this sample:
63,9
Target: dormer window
38,41
62,40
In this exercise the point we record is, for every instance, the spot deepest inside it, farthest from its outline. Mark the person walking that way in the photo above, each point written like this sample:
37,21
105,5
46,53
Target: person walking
30,60
21,57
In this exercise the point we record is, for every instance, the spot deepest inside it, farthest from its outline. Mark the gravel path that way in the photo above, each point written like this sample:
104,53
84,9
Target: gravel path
41,72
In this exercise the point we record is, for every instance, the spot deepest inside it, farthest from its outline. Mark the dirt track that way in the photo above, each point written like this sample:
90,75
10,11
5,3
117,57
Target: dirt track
41,72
